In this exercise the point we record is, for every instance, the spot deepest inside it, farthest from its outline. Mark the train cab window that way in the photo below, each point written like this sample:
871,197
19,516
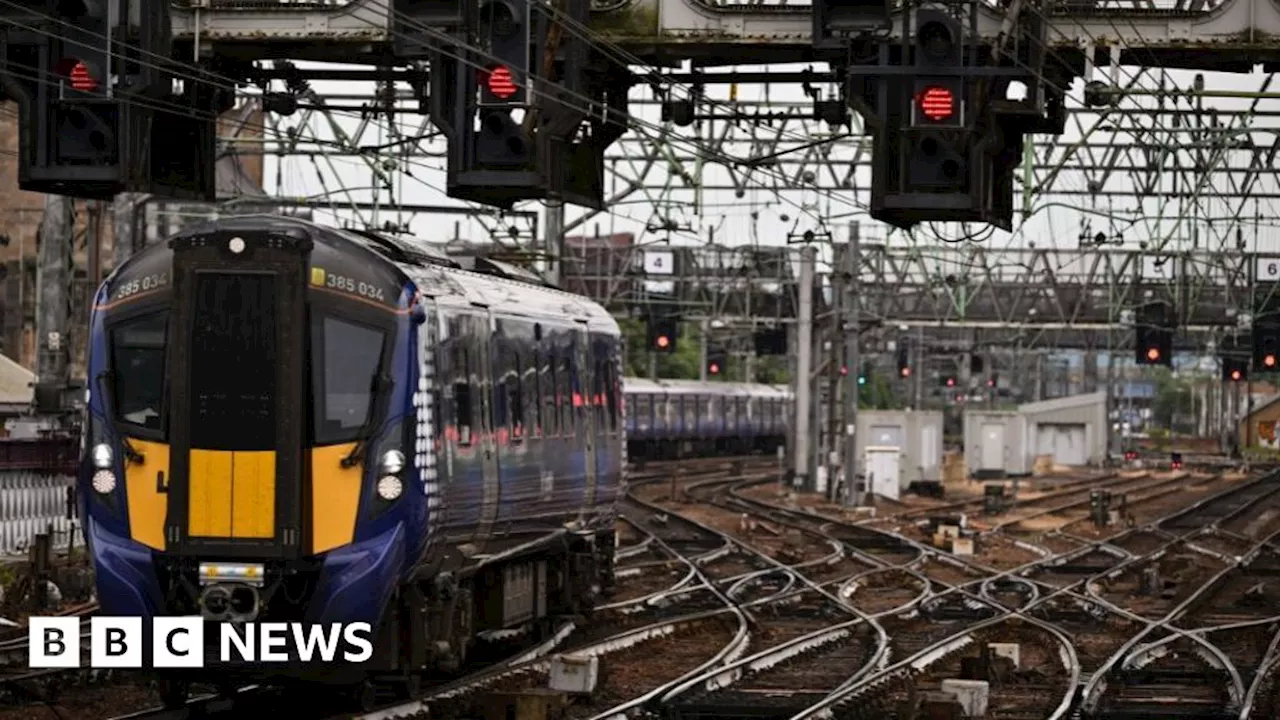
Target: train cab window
347,360
137,363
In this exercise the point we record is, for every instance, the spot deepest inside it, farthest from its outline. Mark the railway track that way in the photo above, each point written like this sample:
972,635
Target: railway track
779,611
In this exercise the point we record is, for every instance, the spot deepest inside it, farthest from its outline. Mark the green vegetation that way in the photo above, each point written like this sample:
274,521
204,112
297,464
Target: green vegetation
685,363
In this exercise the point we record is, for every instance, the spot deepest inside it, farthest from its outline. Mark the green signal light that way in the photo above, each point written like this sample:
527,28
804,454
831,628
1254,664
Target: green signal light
862,379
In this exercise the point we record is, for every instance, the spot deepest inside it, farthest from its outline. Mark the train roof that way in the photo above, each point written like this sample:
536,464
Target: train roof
693,387
505,289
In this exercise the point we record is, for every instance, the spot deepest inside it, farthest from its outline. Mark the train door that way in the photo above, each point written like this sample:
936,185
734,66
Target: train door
584,358
237,381
484,339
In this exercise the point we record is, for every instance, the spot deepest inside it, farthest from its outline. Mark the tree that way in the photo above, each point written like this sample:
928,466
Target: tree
1172,399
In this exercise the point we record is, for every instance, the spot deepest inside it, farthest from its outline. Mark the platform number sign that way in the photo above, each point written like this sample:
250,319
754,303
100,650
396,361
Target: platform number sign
659,262
1266,269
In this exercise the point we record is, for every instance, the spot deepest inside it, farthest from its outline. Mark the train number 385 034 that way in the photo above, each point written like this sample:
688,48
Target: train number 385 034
142,284
349,285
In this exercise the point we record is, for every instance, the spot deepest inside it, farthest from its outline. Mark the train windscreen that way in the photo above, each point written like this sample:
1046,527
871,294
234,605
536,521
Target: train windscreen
233,361
137,360
345,361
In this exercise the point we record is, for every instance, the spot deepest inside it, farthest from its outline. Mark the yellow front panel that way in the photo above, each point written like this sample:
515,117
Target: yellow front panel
335,497
253,494
209,507
148,507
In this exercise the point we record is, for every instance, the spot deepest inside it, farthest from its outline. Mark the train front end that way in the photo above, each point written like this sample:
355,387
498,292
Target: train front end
250,413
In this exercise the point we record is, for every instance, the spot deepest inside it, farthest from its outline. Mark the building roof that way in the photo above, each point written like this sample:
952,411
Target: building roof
15,383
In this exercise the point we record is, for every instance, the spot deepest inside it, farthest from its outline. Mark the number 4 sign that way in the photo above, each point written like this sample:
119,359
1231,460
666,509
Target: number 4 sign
659,262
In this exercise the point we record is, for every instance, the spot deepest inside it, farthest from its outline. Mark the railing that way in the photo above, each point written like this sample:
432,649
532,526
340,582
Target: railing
36,481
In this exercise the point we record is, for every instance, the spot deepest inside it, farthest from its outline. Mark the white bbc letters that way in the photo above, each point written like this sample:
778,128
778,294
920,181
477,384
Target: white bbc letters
54,642
177,642
115,642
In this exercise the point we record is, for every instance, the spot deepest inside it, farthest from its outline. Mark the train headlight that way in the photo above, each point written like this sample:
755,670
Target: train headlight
390,487
102,456
104,481
392,462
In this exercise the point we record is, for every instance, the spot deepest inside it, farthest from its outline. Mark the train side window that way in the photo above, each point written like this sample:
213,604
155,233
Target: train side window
539,381
515,389
612,392
568,385
598,385
463,402
553,394
137,364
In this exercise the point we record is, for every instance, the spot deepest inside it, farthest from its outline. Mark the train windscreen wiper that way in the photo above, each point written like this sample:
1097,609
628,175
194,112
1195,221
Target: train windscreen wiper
362,437
106,385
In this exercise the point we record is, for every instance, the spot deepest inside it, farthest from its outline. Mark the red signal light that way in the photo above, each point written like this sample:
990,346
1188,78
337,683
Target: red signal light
1235,374
79,74
1153,354
951,382
906,372
663,341
501,83
937,103
1269,361
844,370
714,369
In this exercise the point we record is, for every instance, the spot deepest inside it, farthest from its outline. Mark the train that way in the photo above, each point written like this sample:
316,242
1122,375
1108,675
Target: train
288,422
667,419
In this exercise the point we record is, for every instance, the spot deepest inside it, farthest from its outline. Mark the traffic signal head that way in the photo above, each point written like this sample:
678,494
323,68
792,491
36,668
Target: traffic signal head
505,31
1234,369
1154,335
939,99
716,361
1266,350
904,362
662,332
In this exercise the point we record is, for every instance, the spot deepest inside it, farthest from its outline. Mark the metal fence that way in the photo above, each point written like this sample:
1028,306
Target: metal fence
36,482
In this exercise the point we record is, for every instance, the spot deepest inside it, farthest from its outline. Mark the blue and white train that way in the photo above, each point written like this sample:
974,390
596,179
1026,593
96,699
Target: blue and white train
289,422
665,418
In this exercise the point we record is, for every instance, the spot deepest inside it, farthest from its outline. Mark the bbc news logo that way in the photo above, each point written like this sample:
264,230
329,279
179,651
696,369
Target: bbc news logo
179,642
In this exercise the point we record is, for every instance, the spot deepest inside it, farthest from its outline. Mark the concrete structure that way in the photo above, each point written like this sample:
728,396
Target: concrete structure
1071,430
995,443
917,435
